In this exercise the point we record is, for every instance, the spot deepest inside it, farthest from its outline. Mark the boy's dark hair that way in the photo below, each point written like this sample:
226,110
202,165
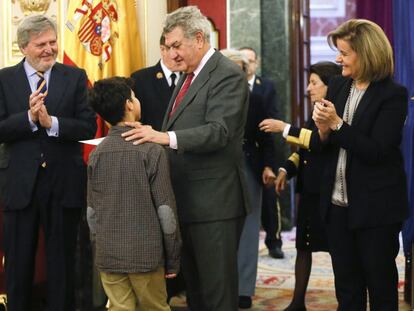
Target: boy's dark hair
108,96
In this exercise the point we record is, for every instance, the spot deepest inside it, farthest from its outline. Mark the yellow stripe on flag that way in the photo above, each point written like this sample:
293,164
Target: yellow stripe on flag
102,38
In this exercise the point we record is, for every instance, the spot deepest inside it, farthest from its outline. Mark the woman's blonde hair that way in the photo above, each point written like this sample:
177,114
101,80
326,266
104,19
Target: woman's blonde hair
372,46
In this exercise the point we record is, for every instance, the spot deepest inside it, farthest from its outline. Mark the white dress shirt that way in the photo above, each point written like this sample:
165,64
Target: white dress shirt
33,78
204,60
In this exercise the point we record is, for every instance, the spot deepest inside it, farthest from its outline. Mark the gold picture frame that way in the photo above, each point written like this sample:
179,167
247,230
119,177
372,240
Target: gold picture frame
13,11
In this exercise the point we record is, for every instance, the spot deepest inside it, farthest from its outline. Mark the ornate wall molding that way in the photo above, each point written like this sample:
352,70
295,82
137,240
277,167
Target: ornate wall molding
150,16
13,11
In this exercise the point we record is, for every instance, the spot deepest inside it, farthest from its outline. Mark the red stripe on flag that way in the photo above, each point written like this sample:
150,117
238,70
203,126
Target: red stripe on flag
85,26
86,30
68,61
81,11
88,38
102,128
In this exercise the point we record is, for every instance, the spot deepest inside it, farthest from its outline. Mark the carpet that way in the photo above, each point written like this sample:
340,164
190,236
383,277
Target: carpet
276,280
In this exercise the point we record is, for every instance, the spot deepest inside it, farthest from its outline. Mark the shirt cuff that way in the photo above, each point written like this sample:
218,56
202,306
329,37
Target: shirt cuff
173,140
282,169
286,131
54,129
33,125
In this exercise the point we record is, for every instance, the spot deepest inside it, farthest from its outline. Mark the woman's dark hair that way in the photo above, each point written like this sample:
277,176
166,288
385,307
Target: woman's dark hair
325,70
108,96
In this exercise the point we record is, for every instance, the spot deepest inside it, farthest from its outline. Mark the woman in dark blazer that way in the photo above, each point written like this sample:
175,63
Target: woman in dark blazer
363,194
306,164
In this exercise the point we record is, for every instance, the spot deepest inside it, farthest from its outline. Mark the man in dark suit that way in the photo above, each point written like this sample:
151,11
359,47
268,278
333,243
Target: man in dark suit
204,124
43,113
271,216
154,86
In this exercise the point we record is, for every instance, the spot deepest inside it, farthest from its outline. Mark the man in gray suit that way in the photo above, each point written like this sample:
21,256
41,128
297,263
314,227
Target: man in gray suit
204,130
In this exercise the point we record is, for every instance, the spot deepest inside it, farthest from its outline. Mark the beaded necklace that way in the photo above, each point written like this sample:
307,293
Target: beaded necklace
353,100
349,115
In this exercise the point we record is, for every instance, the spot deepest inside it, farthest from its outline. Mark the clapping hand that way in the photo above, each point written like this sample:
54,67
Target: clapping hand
36,100
325,117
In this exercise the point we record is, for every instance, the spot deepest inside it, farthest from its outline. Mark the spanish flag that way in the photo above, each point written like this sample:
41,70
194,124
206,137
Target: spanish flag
101,36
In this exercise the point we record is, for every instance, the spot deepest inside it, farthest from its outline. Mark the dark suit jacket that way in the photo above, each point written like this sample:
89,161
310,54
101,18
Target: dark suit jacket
152,90
207,169
374,169
67,100
308,162
266,89
258,146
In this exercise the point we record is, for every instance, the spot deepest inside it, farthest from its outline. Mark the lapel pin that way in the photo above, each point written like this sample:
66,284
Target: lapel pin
258,81
159,75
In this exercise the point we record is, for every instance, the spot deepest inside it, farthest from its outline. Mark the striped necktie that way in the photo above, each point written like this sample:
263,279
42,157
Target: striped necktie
41,84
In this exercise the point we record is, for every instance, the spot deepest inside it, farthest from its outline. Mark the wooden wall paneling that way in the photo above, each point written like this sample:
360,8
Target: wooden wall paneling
173,5
300,60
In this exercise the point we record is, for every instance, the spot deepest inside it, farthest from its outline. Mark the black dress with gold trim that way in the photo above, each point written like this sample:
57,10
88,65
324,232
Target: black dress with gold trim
307,164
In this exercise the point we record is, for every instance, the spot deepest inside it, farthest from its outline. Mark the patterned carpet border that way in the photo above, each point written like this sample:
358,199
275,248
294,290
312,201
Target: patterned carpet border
275,279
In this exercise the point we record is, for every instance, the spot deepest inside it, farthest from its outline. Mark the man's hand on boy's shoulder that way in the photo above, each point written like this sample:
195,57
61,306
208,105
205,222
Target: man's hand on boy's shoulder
141,133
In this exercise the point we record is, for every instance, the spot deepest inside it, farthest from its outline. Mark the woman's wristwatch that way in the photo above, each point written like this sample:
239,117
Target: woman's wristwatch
338,126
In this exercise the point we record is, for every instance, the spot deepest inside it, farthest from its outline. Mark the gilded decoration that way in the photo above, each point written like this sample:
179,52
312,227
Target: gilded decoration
13,11
34,7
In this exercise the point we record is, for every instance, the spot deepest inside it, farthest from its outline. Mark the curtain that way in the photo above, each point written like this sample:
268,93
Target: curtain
403,11
378,11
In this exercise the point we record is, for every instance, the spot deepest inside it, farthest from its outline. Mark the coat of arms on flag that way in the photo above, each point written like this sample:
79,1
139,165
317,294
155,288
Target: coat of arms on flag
101,36
97,27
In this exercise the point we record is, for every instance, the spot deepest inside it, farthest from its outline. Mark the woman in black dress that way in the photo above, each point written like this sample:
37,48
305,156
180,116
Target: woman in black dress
306,164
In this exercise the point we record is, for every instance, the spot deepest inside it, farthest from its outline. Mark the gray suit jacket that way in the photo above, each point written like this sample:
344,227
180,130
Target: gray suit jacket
207,168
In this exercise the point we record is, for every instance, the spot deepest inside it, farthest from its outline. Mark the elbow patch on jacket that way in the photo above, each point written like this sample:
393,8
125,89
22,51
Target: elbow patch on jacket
91,219
167,219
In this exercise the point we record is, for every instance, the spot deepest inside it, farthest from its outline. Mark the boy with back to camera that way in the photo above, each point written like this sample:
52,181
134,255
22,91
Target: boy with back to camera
132,210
